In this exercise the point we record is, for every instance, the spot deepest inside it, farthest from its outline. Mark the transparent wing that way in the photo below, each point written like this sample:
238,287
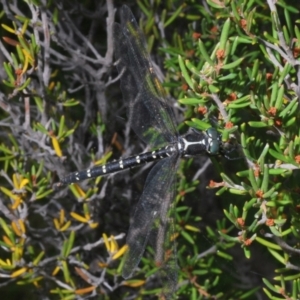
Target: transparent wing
149,113
163,240
153,212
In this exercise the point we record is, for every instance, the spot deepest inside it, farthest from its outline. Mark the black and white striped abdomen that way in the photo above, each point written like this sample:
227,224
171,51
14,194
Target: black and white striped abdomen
119,165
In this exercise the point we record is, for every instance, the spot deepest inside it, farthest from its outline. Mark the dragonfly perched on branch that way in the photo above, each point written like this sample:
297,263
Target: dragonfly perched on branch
152,119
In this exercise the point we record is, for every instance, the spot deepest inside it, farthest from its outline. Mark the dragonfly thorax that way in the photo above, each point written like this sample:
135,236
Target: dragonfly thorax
200,142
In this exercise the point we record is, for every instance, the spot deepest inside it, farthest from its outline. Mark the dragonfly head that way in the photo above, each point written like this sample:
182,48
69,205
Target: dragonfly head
215,145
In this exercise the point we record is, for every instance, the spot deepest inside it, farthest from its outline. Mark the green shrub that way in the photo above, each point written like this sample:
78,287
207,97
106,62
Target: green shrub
232,64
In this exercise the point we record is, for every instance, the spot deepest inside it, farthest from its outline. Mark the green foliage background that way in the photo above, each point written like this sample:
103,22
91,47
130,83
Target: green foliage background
233,64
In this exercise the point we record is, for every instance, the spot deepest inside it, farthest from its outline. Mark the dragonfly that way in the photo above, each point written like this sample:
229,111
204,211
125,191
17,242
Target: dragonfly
152,119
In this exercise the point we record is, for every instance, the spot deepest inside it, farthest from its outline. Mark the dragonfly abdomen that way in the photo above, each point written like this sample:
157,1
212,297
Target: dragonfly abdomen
120,165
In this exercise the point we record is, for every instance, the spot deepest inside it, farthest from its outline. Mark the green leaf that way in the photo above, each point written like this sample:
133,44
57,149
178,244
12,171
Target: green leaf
9,71
258,124
267,243
185,74
275,231
224,255
270,286
174,15
213,89
204,53
229,216
285,71
187,236
224,34
279,257
24,85
233,64
198,124
229,238
265,181
191,101
66,271
70,244
218,5
247,252
279,156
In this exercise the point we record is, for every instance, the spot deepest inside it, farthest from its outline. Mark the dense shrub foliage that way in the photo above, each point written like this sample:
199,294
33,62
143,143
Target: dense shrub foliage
233,65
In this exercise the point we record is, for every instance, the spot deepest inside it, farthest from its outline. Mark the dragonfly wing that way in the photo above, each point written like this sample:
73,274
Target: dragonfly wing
163,240
151,207
149,112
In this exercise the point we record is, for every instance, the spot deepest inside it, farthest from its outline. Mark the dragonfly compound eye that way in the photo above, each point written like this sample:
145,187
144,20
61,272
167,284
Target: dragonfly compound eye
213,141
